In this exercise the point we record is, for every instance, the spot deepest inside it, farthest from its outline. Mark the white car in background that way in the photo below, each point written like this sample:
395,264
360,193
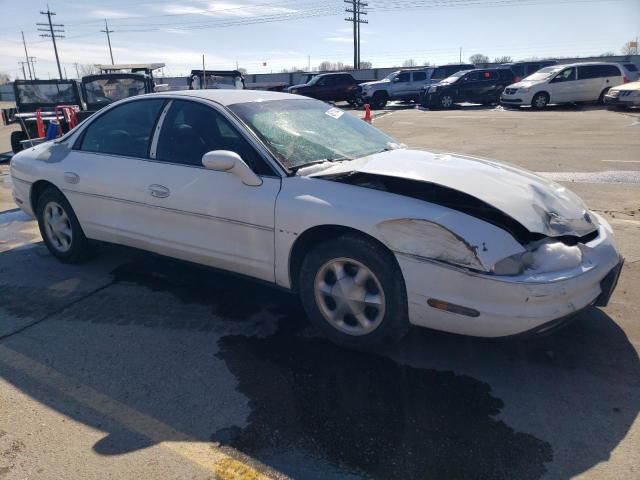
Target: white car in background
578,82
624,96
302,195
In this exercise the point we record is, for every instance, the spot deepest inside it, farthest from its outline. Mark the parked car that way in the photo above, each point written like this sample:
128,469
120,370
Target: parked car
524,69
578,82
404,85
623,96
302,195
482,85
330,87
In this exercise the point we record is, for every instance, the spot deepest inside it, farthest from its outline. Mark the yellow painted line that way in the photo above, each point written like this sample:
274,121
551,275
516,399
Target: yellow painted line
205,454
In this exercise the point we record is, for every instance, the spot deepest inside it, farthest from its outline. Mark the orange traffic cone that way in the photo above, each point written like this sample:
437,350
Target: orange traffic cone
39,123
367,113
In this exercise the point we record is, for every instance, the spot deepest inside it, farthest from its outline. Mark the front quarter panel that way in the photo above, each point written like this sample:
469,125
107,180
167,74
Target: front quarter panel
453,237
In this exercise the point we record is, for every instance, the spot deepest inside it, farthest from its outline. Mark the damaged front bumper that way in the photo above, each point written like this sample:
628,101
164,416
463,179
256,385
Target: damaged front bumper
509,305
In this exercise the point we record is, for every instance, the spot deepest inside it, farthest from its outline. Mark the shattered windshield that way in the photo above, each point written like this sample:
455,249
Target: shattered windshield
53,93
108,90
303,132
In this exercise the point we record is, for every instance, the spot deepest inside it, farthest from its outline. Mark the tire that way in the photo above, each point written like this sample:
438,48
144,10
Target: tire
60,228
383,319
16,138
379,100
602,94
540,101
446,101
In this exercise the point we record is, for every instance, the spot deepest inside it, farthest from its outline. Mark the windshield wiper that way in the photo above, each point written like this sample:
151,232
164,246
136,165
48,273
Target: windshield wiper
316,162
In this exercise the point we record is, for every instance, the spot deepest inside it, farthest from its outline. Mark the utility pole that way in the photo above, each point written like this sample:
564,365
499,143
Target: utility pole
460,55
356,11
107,31
26,56
52,34
24,74
33,67
77,72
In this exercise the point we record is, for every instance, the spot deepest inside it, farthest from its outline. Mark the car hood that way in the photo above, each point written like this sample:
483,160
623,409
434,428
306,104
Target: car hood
523,84
377,82
538,204
628,86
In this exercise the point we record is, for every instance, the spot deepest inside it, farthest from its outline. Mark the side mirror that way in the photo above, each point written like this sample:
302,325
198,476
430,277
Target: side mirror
396,79
227,161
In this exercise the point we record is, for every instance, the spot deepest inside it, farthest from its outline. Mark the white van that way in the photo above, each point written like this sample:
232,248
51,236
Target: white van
577,82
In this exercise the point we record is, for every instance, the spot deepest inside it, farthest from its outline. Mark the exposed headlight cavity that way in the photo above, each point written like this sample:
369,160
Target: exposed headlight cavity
545,257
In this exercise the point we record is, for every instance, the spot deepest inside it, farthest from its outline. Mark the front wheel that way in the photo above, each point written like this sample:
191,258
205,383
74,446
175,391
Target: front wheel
446,101
379,100
540,101
353,290
60,228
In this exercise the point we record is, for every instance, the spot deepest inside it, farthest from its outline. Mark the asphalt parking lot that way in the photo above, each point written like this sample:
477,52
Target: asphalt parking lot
137,366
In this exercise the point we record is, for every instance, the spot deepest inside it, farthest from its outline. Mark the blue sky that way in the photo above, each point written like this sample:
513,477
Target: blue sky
178,32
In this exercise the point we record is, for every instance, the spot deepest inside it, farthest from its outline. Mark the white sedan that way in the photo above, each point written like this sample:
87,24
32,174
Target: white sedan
372,235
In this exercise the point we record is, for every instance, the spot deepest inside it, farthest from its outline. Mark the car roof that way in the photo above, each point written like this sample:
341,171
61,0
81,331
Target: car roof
582,64
231,96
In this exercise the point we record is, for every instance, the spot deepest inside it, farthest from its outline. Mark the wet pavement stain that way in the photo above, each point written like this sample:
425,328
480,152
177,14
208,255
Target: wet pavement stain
321,412
230,297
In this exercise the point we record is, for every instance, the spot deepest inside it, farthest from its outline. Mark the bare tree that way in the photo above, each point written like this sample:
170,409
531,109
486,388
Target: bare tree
608,54
409,63
328,66
503,59
242,70
630,48
4,78
87,69
478,58
366,65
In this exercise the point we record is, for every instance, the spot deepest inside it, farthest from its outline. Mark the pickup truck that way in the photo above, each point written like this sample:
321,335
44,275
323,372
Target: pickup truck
405,85
330,87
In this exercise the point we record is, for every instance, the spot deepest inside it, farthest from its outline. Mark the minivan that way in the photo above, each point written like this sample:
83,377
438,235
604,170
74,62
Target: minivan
577,82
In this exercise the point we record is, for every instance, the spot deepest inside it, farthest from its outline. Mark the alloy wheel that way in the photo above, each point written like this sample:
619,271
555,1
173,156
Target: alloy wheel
349,296
57,227
447,101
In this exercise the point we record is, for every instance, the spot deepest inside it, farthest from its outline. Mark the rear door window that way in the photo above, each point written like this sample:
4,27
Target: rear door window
124,130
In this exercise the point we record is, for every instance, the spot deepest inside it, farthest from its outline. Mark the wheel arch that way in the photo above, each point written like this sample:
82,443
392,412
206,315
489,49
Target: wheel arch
37,189
316,235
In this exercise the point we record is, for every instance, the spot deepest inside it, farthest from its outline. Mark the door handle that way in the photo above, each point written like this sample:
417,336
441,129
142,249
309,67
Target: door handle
71,177
159,191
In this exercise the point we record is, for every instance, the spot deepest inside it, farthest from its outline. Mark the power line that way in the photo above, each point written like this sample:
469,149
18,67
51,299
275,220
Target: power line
107,31
52,34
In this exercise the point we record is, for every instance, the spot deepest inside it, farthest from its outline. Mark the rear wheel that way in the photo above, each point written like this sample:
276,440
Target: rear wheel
16,138
602,94
60,229
353,290
540,100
